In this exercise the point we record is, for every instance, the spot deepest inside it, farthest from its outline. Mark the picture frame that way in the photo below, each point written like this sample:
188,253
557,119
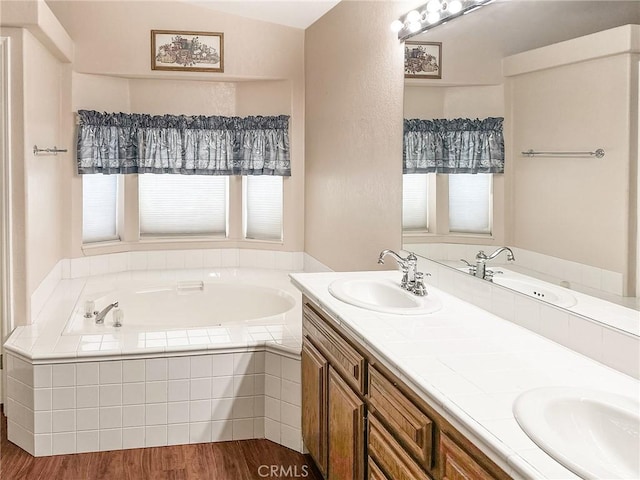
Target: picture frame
173,50
423,60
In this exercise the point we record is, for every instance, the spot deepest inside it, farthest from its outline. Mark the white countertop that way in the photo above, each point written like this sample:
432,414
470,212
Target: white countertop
470,365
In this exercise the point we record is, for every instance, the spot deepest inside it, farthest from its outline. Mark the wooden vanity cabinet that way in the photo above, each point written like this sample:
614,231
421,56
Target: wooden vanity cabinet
333,408
359,421
315,370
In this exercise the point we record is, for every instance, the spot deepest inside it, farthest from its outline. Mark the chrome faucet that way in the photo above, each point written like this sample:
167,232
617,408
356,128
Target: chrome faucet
480,268
412,280
103,313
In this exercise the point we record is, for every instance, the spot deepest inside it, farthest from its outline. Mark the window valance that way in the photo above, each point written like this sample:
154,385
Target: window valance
122,143
461,145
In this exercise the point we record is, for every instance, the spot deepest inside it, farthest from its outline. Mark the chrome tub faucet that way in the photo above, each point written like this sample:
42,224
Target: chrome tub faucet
103,313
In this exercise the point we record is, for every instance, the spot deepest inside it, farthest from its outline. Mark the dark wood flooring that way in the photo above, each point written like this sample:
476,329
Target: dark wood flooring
237,460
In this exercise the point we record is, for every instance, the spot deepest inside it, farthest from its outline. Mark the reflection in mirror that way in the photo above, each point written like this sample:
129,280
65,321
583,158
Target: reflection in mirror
572,221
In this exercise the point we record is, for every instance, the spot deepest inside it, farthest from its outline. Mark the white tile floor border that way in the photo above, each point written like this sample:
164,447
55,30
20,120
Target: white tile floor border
118,404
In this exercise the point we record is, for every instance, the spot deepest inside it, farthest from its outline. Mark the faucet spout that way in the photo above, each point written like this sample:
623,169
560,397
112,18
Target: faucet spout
510,256
409,267
103,313
401,261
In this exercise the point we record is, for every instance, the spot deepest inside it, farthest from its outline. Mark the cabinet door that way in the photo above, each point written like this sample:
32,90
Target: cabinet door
346,431
314,404
457,464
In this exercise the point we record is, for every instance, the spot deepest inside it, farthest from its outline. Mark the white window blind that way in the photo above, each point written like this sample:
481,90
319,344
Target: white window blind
263,207
470,203
182,204
415,201
99,208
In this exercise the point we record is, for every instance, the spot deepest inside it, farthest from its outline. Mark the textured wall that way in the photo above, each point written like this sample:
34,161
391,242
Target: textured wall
353,181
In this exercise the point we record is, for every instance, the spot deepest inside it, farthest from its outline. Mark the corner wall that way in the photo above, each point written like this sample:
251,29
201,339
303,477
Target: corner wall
354,95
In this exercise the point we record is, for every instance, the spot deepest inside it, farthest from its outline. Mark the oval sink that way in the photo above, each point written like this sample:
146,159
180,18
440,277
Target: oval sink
555,296
592,433
383,296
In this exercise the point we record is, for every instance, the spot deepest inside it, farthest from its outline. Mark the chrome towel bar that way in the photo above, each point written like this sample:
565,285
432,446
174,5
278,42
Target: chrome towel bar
599,153
55,150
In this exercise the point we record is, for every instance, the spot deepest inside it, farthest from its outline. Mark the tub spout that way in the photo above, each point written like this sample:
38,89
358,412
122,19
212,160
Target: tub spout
103,313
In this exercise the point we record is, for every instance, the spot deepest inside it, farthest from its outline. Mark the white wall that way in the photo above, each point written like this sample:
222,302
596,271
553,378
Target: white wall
263,76
353,178
578,209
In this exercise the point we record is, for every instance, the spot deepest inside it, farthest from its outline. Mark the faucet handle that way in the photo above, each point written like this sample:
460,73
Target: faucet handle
418,288
405,276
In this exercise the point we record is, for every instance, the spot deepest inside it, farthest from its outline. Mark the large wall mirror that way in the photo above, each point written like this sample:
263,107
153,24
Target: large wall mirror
571,220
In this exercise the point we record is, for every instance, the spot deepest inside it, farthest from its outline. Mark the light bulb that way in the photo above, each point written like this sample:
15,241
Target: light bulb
433,17
413,16
433,6
396,26
455,6
414,27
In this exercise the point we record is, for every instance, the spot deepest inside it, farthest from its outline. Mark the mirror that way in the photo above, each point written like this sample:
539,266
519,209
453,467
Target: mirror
571,220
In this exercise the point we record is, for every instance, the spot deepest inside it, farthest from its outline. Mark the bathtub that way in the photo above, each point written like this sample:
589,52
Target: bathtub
183,304
204,355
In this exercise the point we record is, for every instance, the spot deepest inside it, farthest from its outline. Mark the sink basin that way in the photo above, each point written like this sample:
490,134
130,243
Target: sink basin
592,433
555,296
384,296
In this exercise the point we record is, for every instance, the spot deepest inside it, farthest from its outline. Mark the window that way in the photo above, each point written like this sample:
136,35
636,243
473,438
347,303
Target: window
262,198
182,204
467,207
415,201
470,203
99,208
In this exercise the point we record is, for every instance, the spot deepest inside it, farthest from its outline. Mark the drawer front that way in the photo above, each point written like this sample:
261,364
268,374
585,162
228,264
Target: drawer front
390,455
402,417
374,471
456,464
343,356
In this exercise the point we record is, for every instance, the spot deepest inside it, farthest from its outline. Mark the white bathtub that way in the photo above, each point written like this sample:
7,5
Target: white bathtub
229,297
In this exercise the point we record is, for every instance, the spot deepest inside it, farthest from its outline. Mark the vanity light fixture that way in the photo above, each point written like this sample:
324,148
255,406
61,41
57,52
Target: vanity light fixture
432,14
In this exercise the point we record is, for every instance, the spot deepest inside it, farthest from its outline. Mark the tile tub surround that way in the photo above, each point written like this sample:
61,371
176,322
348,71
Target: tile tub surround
79,407
470,365
77,393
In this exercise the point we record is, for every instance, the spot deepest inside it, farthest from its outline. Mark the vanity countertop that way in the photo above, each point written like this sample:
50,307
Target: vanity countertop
470,365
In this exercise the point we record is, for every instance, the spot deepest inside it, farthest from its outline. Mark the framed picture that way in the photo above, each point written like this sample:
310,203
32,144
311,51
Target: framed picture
187,51
422,60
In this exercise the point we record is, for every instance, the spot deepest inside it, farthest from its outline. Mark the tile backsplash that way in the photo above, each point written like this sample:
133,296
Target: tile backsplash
610,346
579,276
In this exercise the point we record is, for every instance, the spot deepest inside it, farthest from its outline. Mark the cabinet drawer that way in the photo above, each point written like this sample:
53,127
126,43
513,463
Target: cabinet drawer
402,417
456,464
374,471
346,359
390,455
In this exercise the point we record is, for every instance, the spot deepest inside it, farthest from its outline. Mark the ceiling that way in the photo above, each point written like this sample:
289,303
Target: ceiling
292,13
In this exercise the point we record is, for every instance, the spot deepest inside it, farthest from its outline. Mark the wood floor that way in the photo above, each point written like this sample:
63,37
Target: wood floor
237,460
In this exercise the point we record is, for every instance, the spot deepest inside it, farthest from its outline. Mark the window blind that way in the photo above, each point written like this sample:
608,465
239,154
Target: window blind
99,208
415,201
470,199
263,207
182,204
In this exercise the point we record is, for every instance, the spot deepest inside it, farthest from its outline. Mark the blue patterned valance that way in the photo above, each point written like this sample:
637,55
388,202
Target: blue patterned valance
461,145
112,143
